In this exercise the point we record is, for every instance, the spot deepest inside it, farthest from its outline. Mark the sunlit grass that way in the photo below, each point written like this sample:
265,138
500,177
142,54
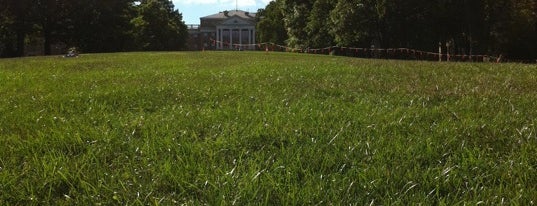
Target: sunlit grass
255,128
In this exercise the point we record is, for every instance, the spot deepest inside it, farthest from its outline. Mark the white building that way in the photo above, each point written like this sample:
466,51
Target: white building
227,30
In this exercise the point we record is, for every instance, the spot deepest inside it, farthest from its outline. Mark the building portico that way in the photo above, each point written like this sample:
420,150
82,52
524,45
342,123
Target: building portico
230,37
228,30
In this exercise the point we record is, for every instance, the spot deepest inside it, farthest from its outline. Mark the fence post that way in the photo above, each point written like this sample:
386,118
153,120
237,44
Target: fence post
447,51
373,51
440,51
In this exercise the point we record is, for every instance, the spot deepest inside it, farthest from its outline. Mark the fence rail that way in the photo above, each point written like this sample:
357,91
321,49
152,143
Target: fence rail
378,53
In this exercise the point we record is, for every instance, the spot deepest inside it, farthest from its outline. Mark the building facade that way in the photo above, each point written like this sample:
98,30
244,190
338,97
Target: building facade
227,30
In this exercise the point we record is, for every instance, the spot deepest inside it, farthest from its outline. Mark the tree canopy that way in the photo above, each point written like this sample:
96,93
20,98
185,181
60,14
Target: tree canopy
270,25
493,27
93,26
158,26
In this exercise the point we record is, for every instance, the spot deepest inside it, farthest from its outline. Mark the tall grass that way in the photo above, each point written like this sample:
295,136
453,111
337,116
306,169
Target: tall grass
236,128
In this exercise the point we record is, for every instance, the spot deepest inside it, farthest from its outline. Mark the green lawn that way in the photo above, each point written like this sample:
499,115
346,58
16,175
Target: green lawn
224,128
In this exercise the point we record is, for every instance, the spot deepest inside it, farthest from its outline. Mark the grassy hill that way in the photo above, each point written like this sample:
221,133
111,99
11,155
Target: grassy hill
223,128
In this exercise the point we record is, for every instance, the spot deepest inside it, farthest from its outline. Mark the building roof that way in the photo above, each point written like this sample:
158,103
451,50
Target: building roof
227,14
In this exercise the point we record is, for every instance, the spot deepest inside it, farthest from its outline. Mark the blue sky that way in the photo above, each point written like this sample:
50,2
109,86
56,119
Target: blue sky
192,10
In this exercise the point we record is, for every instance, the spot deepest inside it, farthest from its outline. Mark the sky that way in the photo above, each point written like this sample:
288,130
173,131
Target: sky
192,10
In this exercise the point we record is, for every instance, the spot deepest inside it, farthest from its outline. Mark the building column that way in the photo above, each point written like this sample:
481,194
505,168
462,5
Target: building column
240,37
230,38
217,41
222,30
220,38
250,39
253,36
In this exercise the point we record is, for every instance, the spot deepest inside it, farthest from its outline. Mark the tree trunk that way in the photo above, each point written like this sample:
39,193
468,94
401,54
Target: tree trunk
21,36
47,40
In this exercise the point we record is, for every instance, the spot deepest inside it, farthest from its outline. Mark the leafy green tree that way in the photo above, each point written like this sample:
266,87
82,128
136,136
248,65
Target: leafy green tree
270,24
159,26
6,30
296,14
101,26
51,21
352,23
16,23
516,34
94,26
318,27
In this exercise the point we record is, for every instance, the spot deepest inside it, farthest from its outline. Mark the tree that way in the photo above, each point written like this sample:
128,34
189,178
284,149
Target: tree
318,27
101,26
94,26
159,26
352,23
517,34
6,30
16,23
51,21
296,14
270,24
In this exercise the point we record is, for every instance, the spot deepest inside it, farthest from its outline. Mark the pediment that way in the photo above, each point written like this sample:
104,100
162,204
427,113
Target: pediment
236,20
